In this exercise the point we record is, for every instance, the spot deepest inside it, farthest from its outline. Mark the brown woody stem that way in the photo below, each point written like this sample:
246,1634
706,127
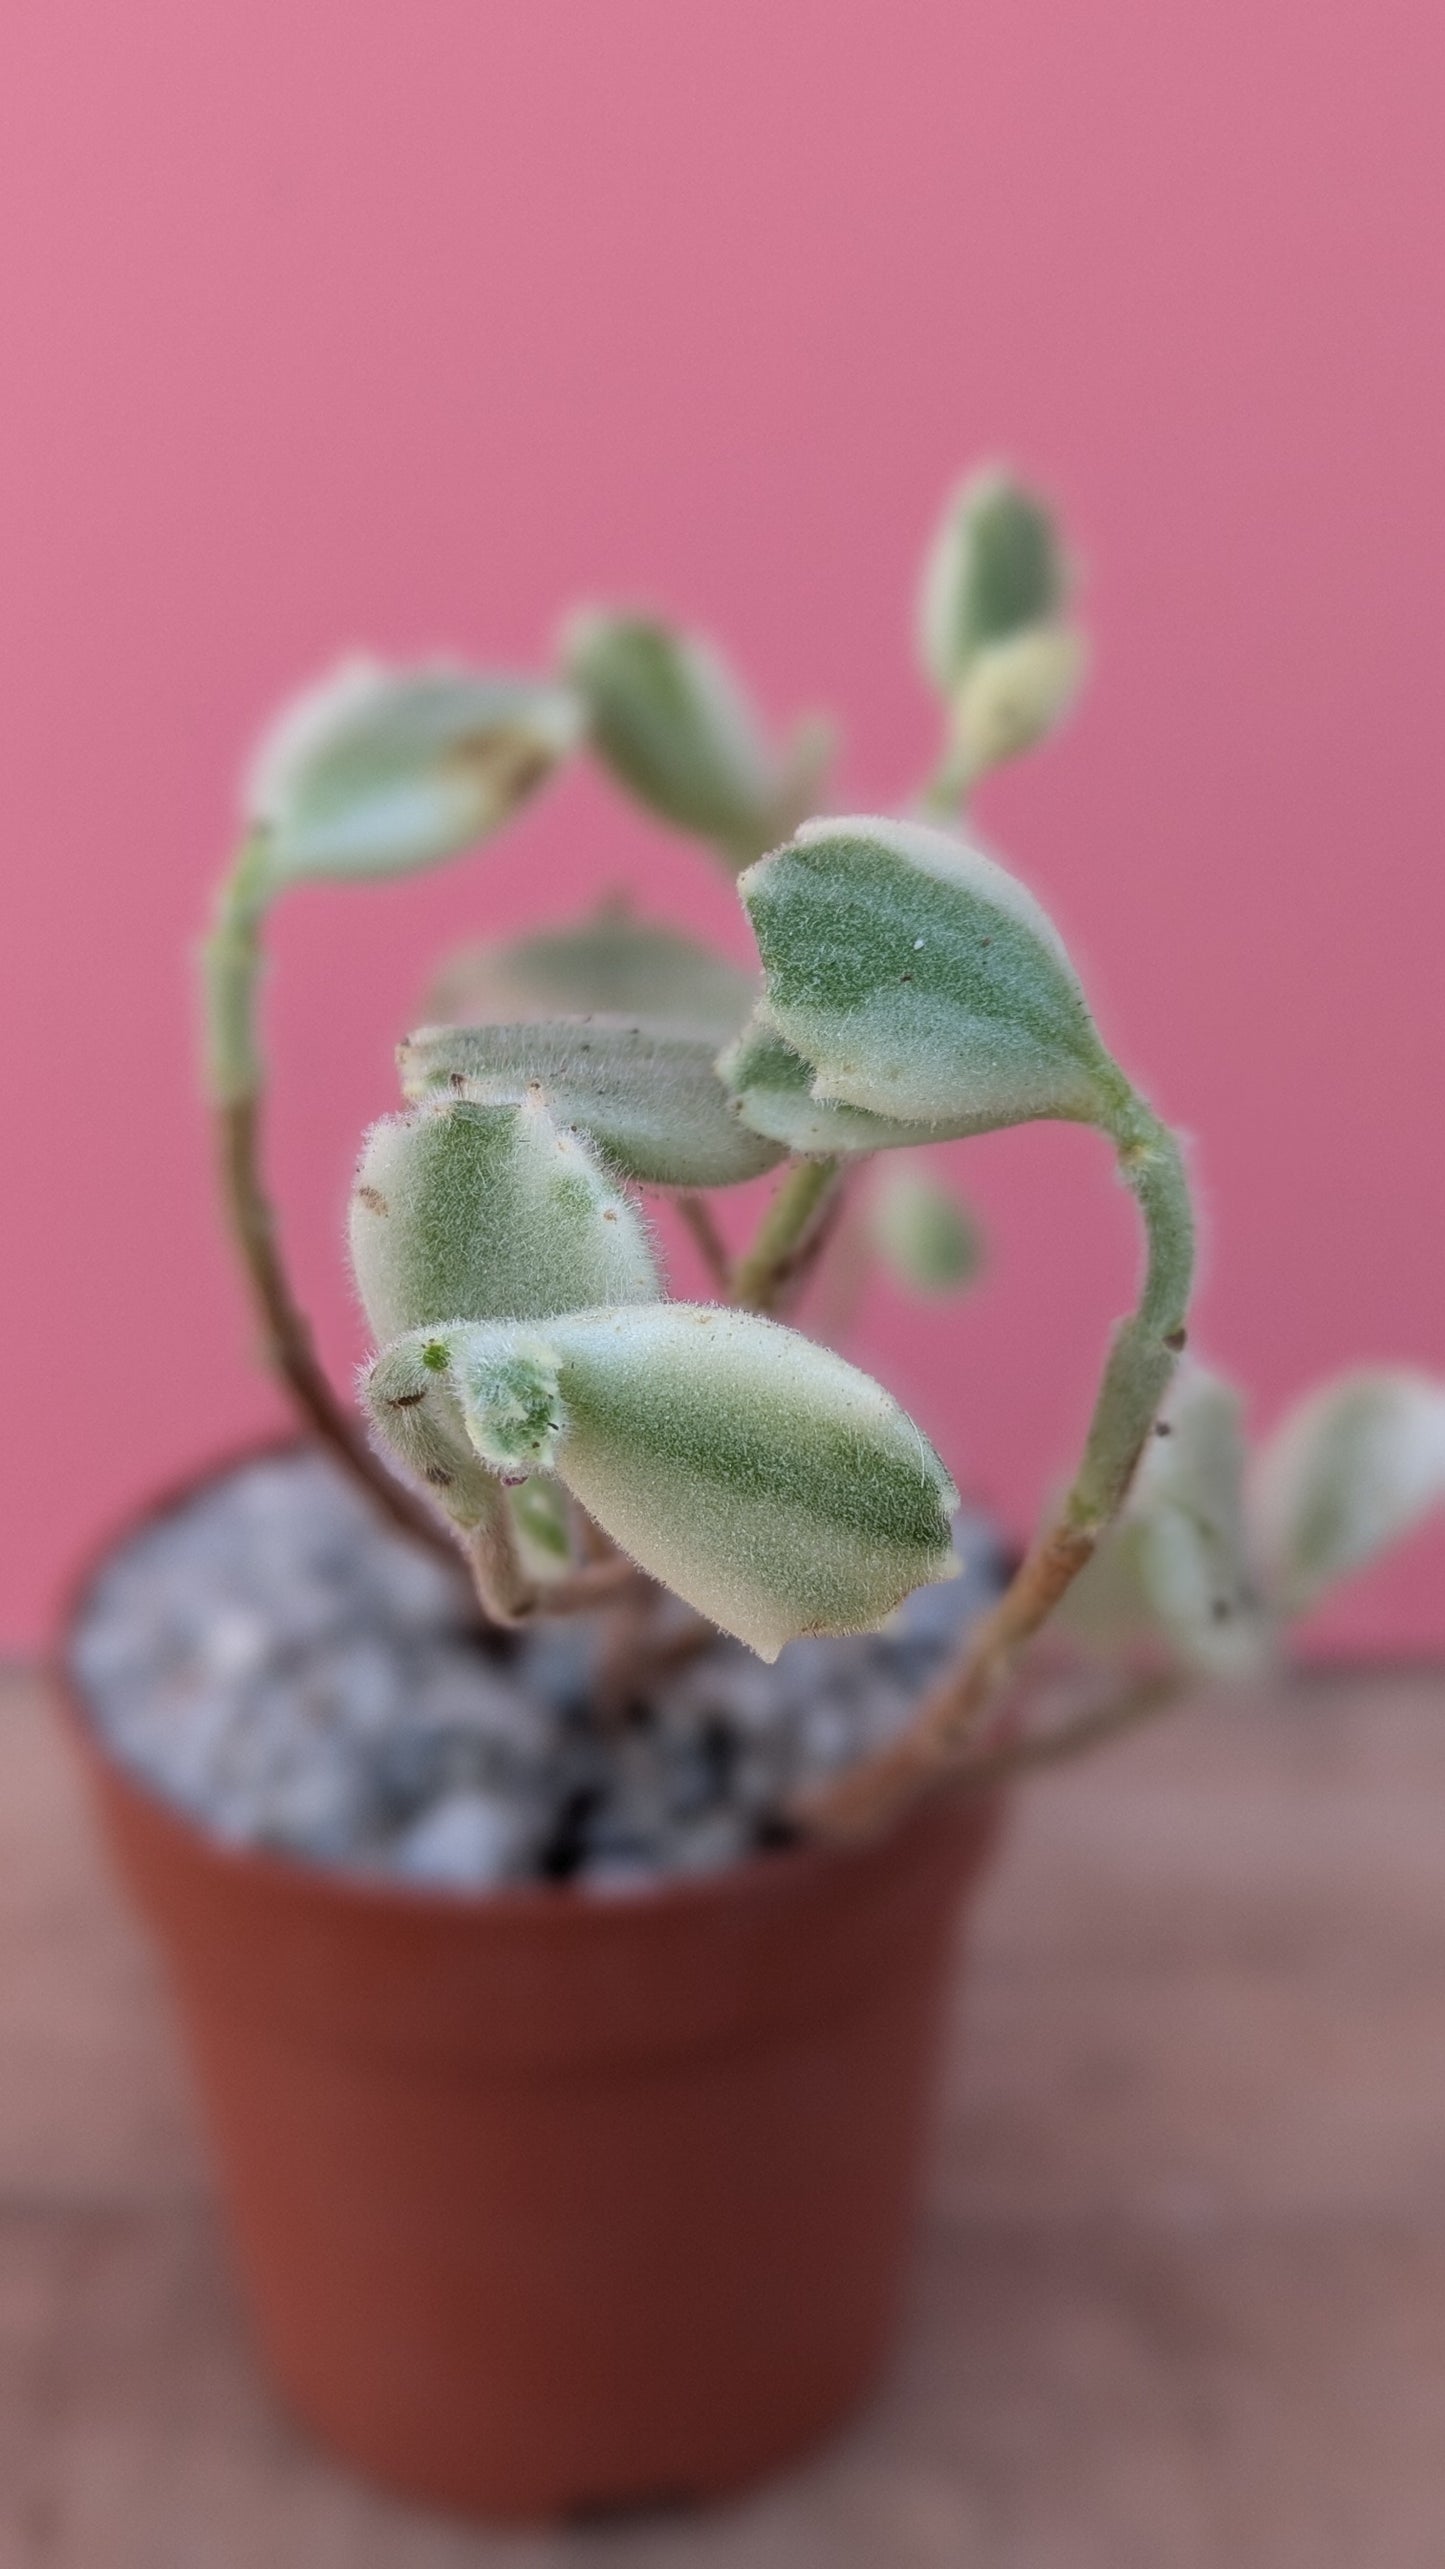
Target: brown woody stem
232,963
286,1333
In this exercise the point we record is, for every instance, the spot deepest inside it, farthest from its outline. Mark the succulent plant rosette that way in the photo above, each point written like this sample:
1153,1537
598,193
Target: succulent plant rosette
541,1406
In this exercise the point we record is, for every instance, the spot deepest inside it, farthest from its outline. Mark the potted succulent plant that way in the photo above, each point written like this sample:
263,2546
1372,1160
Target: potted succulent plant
558,1899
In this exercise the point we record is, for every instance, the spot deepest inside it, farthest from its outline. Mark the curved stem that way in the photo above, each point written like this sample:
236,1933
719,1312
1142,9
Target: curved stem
765,1268
1141,1361
232,960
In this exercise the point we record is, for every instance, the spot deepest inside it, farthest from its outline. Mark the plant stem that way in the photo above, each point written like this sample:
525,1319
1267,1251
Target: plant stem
1141,1361
1126,1711
944,796
232,959
763,1271
697,1213
503,1586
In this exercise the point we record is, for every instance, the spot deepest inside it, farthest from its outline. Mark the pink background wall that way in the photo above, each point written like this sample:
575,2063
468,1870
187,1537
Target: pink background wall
336,323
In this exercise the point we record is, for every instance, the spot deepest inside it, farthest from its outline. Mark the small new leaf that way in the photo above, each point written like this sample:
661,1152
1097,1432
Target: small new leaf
995,568
922,982
1194,1552
417,1418
772,1086
1350,1471
770,1484
612,964
1177,1568
653,1103
1014,693
377,771
475,1211
925,1234
668,717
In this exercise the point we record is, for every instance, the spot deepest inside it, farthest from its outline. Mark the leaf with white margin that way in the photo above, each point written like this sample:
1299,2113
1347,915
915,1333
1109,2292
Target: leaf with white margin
773,1088
762,1478
474,1211
923,982
1194,1551
1353,1468
1177,1566
612,964
924,1233
1015,693
376,771
417,1421
653,1103
994,568
668,717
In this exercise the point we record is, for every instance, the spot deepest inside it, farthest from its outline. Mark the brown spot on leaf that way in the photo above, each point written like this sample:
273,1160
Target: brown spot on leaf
405,1400
373,1199
1175,1339
439,1479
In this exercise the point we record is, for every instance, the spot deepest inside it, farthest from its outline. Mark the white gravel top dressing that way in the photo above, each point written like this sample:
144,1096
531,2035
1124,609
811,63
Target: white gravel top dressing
273,1660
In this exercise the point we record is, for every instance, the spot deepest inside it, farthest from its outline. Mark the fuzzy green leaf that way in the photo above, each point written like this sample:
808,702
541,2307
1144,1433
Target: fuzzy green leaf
612,964
925,1234
668,717
377,771
1014,693
541,1518
417,1420
1350,1471
652,1103
773,1087
1188,1503
923,982
1177,1568
995,567
774,1487
472,1211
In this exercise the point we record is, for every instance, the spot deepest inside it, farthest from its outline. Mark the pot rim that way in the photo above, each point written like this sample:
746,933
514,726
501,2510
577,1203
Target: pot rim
563,1906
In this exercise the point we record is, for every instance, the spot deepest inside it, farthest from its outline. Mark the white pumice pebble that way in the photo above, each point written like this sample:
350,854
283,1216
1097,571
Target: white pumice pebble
297,1678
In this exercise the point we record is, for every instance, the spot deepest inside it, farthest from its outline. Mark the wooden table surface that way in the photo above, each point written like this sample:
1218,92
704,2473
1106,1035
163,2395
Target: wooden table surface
1180,2290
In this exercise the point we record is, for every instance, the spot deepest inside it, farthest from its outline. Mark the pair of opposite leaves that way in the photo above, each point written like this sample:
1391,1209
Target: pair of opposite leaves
913,989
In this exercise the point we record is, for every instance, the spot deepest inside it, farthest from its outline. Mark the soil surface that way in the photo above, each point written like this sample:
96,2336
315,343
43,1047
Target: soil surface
272,1658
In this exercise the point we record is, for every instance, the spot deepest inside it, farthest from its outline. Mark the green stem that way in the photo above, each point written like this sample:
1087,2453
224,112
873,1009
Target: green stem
947,789
502,1584
1141,1361
232,962
762,1273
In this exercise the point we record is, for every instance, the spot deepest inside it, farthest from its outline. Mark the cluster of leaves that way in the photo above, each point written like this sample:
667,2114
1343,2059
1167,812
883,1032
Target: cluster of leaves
1220,1547
908,991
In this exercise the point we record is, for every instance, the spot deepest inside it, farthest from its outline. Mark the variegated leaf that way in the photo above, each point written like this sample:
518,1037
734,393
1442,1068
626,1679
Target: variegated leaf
1350,1471
654,1104
922,981
612,964
995,567
924,1233
668,717
773,1087
466,1210
377,771
770,1484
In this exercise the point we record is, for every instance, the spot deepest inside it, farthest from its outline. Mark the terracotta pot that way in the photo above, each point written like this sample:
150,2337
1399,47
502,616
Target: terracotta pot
547,2203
